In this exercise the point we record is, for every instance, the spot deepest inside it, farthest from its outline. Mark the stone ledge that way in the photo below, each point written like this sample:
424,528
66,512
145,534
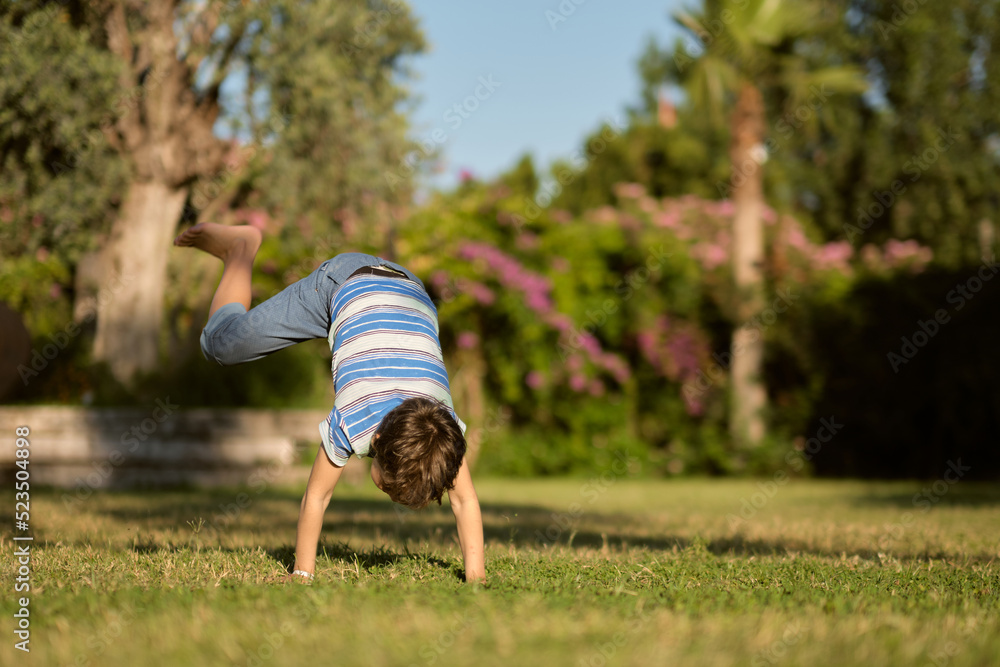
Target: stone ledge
159,446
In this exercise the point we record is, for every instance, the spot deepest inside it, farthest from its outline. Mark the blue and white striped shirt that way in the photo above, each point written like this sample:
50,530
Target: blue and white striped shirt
385,346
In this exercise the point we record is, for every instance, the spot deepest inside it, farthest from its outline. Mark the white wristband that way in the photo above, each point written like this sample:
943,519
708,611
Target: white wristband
302,573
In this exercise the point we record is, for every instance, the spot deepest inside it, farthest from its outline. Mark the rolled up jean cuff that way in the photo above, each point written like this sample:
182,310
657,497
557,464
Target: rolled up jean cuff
217,321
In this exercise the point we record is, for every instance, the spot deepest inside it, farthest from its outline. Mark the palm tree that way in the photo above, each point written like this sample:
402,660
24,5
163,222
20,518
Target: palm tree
746,48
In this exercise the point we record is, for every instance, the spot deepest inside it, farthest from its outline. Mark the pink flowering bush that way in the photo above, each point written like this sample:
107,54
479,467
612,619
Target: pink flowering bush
615,323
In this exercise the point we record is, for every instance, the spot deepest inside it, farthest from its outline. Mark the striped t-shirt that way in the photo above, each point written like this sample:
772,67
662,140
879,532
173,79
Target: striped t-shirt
385,346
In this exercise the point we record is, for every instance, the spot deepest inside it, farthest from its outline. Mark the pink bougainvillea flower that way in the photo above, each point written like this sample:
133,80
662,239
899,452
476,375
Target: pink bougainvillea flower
510,273
668,219
534,380
440,278
630,222
604,215
480,292
692,405
589,343
467,340
907,253
629,190
538,302
255,217
560,216
711,255
526,241
560,321
617,366
833,256
797,239
648,204
258,219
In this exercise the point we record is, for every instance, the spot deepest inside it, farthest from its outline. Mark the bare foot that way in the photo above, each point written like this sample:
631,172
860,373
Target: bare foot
224,241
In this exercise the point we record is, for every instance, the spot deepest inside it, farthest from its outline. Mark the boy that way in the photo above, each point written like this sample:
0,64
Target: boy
392,400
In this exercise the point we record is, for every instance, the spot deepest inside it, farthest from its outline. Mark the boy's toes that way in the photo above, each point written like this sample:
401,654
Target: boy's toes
186,238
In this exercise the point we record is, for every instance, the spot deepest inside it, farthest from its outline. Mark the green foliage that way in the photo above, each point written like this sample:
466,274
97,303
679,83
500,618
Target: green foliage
926,123
315,99
614,325
928,126
539,276
733,43
298,377
337,105
549,310
33,288
531,451
686,159
60,179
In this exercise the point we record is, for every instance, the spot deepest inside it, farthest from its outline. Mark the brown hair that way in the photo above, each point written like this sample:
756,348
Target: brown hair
419,448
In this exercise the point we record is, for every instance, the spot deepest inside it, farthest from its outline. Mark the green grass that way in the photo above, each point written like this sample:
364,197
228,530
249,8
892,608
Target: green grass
581,572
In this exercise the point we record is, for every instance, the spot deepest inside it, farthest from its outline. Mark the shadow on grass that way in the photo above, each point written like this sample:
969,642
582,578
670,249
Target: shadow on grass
521,526
366,559
939,493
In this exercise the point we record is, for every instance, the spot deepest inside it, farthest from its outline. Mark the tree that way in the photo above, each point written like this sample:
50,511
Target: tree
917,157
334,73
308,92
669,162
742,49
60,179
168,142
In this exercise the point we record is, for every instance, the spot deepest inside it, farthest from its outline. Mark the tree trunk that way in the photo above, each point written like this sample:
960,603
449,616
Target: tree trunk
749,396
470,400
164,130
130,304
987,239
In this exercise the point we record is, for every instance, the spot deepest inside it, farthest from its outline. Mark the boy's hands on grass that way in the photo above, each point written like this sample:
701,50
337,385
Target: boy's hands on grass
319,489
469,521
323,479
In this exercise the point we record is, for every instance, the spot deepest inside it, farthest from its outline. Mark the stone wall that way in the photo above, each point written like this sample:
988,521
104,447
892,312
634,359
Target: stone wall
159,446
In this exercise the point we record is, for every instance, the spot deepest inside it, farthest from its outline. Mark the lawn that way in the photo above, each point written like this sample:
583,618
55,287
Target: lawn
597,572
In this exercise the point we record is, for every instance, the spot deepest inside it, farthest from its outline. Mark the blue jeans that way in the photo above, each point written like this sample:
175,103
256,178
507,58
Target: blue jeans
298,313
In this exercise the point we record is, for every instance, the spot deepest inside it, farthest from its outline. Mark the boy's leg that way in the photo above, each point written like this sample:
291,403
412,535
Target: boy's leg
298,313
236,247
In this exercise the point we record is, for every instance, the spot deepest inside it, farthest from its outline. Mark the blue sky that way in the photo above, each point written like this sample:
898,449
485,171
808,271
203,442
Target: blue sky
542,85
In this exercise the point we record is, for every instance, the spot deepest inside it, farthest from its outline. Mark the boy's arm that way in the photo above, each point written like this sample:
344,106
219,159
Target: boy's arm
319,489
465,505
